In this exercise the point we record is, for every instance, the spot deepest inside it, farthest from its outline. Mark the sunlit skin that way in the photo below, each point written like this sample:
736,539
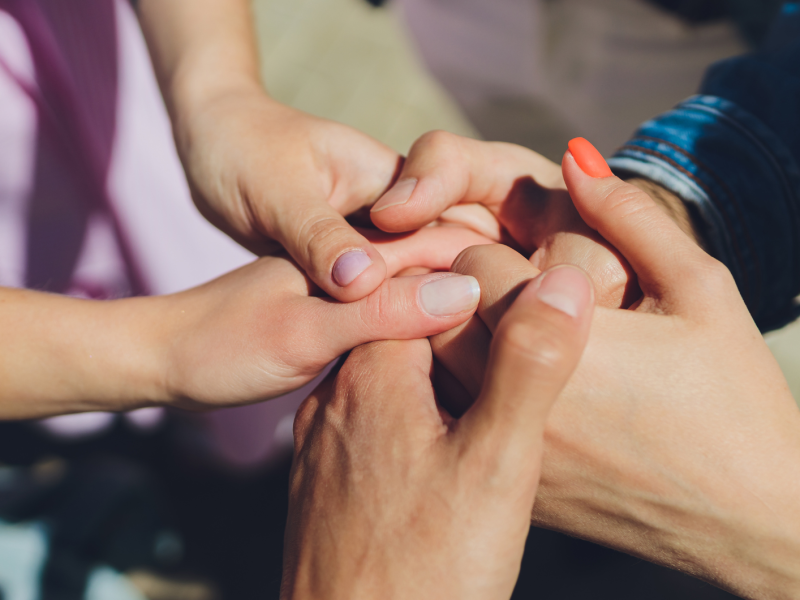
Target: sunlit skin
677,439
391,497
258,332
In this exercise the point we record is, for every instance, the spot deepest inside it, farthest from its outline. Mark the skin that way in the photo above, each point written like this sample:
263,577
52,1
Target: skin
676,439
272,177
517,197
650,473
266,174
253,334
388,492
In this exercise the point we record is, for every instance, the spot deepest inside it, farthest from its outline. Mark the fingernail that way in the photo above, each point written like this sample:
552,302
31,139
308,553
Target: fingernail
349,266
399,193
450,295
589,159
567,289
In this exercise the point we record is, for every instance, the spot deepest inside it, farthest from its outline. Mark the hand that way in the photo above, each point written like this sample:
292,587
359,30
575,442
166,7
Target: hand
677,439
391,498
511,195
271,176
258,332
264,173
264,330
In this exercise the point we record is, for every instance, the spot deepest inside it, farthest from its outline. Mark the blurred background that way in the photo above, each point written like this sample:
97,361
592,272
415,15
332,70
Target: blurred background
156,505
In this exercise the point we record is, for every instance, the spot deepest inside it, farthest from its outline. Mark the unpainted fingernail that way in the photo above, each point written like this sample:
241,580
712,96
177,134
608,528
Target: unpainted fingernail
400,193
450,295
567,289
349,266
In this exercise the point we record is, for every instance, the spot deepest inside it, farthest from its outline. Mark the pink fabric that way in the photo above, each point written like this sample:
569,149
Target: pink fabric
93,200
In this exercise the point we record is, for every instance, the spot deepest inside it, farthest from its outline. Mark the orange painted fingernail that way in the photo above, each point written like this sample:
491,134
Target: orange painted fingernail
589,159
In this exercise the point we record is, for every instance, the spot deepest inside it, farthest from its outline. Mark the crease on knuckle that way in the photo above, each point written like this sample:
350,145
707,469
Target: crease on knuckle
465,262
627,202
377,312
318,236
542,345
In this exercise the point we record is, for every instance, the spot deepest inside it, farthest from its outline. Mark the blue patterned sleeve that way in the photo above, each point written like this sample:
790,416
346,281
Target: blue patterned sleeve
732,153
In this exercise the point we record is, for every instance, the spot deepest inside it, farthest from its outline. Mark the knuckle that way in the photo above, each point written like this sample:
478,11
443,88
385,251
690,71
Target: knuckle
628,201
376,311
464,263
364,361
470,260
322,237
713,278
437,142
368,370
542,345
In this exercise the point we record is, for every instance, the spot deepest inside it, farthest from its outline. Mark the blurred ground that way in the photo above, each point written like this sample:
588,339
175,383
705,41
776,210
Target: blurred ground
346,61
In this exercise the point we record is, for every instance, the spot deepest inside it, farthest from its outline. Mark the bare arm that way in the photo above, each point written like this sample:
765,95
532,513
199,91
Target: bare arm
248,336
200,48
264,173
62,355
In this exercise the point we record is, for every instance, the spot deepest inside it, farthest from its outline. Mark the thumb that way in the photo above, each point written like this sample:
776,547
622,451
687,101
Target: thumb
435,176
536,347
402,308
443,170
333,254
657,250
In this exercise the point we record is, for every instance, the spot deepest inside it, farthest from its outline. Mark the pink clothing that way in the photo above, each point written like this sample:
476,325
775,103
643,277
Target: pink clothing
93,200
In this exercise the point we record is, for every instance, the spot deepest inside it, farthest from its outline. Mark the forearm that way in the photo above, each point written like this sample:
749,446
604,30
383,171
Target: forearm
746,541
200,48
62,355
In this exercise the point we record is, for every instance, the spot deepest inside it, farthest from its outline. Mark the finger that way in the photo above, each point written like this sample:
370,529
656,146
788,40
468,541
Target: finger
473,216
400,309
333,254
387,384
502,273
430,247
536,347
443,169
614,281
658,251
464,351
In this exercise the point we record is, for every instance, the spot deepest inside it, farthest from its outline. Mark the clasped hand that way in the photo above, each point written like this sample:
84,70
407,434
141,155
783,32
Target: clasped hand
675,439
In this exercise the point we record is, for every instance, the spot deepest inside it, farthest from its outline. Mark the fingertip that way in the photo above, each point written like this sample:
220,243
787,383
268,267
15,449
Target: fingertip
356,273
450,296
406,206
589,159
349,266
566,288
400,193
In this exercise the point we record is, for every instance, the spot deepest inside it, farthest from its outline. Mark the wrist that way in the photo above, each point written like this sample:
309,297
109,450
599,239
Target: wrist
195,86
200,48
141,330
64,355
